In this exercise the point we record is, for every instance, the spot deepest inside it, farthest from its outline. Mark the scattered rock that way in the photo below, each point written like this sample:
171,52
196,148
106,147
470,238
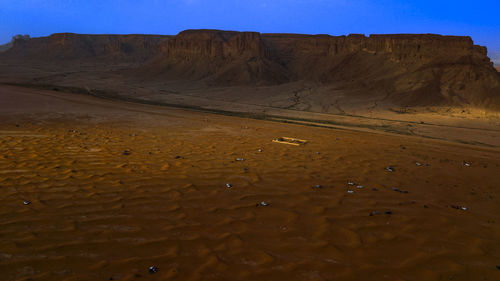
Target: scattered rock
153,269
466,164
399,190
126,152
374,189
390,168
26,202
240,159
418,163
459,207
260,150
177,157
425,206
228,185
319,186
359,186
374,213
263,203
350,191
351,183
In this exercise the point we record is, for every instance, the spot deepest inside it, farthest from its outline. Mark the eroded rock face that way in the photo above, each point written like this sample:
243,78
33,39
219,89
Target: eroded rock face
15,38
70,46
407,69
214,44
221,57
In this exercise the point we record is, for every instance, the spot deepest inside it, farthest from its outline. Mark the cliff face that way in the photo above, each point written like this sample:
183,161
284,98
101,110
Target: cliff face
439,69
9,45
69,46
220,57
214,44
407,70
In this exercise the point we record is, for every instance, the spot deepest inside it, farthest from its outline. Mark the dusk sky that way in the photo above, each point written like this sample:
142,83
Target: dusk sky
479,19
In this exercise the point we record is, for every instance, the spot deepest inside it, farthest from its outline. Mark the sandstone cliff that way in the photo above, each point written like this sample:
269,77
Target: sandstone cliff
221,57
404,69
70,46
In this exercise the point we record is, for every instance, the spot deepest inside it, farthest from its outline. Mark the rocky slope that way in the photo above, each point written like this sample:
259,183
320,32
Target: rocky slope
405,70
409,69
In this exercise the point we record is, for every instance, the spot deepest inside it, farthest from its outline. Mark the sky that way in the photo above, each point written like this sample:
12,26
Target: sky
480,20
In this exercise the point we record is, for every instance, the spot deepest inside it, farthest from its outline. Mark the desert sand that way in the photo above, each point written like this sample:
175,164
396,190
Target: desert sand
96,189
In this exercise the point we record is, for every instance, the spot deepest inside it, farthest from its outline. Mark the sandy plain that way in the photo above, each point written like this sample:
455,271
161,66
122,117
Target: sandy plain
97,213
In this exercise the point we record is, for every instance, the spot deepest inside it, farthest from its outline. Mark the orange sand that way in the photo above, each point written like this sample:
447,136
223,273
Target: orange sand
96,214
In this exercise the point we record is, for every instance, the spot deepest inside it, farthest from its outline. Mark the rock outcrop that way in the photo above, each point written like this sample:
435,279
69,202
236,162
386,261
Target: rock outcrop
70,46
221,57
405,69
15,38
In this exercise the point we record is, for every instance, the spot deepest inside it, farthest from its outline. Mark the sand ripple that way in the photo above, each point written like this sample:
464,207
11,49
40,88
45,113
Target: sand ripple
97,213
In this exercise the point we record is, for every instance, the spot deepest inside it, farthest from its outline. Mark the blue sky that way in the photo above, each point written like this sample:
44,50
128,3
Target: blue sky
480,20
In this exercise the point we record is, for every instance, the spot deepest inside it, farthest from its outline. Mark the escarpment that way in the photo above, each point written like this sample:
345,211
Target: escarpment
404,69
71,47
221,57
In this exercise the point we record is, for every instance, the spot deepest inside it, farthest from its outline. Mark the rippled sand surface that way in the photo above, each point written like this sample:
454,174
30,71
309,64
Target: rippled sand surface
114,188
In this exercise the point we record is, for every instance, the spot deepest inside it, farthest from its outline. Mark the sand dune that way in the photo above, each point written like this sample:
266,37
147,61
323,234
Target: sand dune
97,213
